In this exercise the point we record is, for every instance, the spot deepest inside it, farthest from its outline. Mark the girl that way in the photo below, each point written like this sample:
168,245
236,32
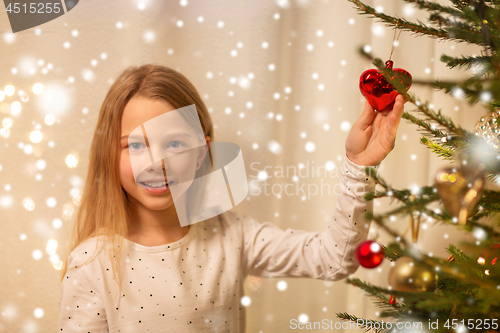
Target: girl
132,267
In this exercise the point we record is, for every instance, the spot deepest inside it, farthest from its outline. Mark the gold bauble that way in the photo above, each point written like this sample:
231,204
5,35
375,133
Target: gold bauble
411,276
460,189
488,128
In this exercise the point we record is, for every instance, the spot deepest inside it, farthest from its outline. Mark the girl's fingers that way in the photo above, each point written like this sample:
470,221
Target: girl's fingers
366,117
396,114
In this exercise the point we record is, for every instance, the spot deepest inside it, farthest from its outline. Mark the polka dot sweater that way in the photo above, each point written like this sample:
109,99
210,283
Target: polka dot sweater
196,284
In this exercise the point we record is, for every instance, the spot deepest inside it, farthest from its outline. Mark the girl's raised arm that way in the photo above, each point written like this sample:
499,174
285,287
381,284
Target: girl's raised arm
269,251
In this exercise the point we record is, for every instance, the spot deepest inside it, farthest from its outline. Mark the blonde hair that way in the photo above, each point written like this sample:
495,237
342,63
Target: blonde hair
104,208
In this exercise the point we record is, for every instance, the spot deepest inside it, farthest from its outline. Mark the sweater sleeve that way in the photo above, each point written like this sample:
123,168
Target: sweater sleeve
269,251
81,306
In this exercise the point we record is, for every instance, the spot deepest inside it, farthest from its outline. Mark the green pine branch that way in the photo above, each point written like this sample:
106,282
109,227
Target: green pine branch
488,205
467,28
490,202
451,292
438,149
393,251
470,89
404,299
418,28
433,6
455,26
467,62
442,84
437,263
427,127
367,324
457,253
493,178
460,4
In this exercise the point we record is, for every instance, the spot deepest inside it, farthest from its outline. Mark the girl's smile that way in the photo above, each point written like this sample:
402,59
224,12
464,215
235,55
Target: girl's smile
156,187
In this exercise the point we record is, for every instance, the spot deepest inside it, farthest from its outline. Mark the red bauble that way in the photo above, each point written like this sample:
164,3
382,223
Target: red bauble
379,93
370,254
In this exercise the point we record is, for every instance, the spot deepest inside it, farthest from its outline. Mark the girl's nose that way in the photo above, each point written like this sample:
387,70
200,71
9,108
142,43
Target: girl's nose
156,167
159,167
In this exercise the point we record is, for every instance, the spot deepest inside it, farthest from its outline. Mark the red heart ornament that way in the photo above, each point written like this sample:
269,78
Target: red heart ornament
379,93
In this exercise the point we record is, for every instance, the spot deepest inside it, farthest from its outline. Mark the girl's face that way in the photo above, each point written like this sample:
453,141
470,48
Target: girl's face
180,169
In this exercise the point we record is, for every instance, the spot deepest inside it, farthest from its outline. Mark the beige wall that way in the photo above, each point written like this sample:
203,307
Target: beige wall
200,48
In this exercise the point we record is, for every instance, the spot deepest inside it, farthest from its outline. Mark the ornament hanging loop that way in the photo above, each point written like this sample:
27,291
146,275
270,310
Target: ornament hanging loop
394,39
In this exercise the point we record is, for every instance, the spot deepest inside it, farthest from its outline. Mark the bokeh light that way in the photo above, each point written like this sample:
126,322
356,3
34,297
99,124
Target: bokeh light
71,160
50,119
6,201
57,223
58,265
245,301
310,147
7,122
37,254
55,99
36,136
28,204
51,247
15,108
38,313
274,147
51,202
38,88
68,211
282,285
9,90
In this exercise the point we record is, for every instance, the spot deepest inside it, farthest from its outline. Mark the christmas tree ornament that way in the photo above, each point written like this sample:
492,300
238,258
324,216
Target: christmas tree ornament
375,88
460,189
380,93
392,300
409,275
414,225
370,254
488,128
489,255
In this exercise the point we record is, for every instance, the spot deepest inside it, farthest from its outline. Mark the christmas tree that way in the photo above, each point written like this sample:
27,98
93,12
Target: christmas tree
459,293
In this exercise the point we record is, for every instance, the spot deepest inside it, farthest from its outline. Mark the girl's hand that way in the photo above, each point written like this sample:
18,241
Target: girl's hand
373,135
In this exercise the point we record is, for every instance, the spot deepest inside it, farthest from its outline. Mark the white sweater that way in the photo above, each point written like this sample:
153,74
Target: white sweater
196,284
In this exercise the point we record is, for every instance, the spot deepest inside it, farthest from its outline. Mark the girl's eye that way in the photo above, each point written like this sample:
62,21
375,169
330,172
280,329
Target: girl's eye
135,146
175,144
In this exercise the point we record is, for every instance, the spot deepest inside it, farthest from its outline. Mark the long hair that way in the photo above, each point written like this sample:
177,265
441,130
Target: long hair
104,208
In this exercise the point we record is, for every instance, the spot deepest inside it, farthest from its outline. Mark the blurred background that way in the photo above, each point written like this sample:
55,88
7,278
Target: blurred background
280,79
